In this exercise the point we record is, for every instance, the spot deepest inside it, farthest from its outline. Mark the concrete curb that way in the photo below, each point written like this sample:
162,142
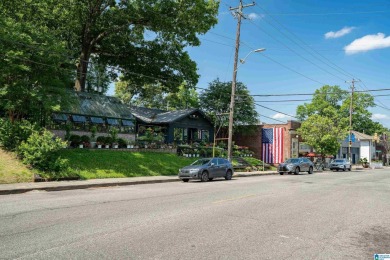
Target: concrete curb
74,185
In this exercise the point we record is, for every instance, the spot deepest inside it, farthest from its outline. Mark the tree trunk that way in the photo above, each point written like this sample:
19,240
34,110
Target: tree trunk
82,69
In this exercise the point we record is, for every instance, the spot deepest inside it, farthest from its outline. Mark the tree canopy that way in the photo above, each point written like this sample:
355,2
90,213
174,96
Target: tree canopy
143,39
215,100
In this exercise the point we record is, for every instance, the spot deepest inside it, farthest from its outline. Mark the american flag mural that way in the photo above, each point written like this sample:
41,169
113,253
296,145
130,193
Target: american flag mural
272,142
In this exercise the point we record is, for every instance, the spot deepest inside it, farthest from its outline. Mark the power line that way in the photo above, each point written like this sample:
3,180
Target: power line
275,110
273,119
298,54
333,65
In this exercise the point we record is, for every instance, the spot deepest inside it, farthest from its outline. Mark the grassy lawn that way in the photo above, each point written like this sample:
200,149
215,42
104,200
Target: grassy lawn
12,170
93,164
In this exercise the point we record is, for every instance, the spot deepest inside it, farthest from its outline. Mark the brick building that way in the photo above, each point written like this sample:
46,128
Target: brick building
291,140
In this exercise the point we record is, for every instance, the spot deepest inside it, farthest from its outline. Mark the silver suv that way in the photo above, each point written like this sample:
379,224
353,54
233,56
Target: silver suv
340,164
207,169
296,165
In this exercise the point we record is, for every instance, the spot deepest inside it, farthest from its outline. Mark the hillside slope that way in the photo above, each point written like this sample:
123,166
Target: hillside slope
12,170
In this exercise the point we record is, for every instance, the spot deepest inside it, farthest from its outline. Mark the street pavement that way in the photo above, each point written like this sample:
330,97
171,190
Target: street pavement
108,182
326,215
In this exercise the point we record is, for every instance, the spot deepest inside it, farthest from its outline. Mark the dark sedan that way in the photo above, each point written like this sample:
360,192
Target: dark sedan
207,169
296,165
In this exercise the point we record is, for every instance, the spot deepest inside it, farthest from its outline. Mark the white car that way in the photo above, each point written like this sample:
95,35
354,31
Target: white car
340,164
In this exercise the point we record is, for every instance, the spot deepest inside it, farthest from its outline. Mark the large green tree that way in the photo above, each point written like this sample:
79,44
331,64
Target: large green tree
334,103
33,70
143,39
322,134
215,100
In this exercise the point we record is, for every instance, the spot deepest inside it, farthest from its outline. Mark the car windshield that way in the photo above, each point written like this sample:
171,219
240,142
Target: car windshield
201,162
339,161
292,161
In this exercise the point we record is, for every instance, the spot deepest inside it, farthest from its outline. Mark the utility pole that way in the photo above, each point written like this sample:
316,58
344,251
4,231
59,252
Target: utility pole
239,15
350,119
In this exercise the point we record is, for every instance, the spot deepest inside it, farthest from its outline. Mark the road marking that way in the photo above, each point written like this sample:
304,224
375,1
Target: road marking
237,198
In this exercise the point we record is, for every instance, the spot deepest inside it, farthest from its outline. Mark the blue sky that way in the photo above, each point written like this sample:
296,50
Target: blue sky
308,44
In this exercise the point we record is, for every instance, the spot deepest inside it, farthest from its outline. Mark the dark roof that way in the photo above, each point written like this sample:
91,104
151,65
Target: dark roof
95,105
158,116
98,105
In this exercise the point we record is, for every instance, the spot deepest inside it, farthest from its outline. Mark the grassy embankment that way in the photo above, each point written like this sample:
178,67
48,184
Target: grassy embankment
12,170
93,164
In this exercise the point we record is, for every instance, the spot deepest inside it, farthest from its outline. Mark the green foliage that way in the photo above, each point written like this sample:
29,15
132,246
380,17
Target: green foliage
85,139
75,140
322,134
13,134
122,143
41,151
93,132
114,134
67,127
33,70
101,140
216,101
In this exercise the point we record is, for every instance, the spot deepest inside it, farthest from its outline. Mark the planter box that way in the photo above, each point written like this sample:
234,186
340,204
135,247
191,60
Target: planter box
81,146
107,146
115,146
99,146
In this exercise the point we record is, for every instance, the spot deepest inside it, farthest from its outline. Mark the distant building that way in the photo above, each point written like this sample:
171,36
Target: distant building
363,146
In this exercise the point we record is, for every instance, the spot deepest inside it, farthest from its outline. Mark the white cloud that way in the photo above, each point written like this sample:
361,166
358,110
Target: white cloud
279,116
342,32
379,117
367,43
254,16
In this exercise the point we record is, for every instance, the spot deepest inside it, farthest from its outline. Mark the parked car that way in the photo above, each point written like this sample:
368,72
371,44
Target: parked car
207,169
296,165
340,164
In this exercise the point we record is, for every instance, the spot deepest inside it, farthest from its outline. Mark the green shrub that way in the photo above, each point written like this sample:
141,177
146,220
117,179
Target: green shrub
13,134
75,140
122,143
100,139
85,139
41,152
108,140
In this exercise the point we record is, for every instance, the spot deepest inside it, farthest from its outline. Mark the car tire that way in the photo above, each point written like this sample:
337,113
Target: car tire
204,176
337,169
210,179
310,170
185,180
281,173
296,171
344,169
350,168
229,175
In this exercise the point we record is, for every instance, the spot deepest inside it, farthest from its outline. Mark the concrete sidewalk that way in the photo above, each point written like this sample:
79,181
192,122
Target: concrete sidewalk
85,184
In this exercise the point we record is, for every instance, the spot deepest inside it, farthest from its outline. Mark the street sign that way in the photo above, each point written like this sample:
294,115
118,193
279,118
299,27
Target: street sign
353,139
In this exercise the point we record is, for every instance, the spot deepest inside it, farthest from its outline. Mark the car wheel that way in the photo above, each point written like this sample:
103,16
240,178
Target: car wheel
296,172
310,170
350,168
205,176
344,169
281,173
185,180
210,179
229,175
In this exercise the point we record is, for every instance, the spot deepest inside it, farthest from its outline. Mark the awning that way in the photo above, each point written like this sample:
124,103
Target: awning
127,123
60,117
79,119
97,120
311,155
112,121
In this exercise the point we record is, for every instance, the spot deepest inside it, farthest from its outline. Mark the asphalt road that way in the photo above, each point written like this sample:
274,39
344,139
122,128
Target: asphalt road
329,215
